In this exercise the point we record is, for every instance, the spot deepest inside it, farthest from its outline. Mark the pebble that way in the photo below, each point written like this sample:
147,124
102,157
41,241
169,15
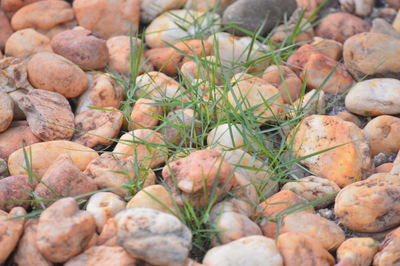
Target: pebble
82,48
358,7
80,155
11,229
13,75
27,42
108,236
372,54
140,231
193,177
314,188
374,97
157,86
63,179
108,18
64,230
328,47
16,190
13,5
49,115
357,251
389,250
104,205
369,205
208,5
380,25
384,168
151,9
255,15
251,250
285,31
341,26
173,26
97,128
145,113
227,136
300,249
6,111
51,72
349,117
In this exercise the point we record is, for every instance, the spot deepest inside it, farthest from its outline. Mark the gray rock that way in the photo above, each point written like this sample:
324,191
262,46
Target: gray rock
251,14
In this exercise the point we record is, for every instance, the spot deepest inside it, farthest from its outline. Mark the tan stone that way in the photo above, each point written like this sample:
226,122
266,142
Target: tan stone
26,42
145,113
375,209
43,15
48,71
102,92
157,86
64,230
108,236
300,249
82,48
227,136
94,128
380,25
330,48
6,111
5,26
348,159
13,75
205,5
341,26
314,188
205,69
80,155
153,236
357,251
396,22
349,117
16,191
274,208
170,59
155,197
26,253
196,176
313,102
384,168
14,5
389,250
251,250
357,7
11,230
108,18
309,6
63,179
17,135
150,9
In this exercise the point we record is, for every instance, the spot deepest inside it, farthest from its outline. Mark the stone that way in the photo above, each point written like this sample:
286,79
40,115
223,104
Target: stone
63,179
97,128
372,54
374,97
64,230
6,29
80,155
251,250
110,171
349,117
327,232
104,205
341,26
256,16
82,48
275,207
300,249
145,146
368,205
108,236
151,9
158,86
208,5
13,5
380,132
145,114
393,3
16,191
26,42
11,229
6,111
310,7
13,75
205,69
297,60
322,72
153,236
389,249
119,49
51,72
102,92
396,165
380,25
154,197
102,255
255,95
48,114
358,7
348,159
196,176
26,252
108,18
357,251
384,168
17,135
227,136
43,16
285,80
174,25
313,102
179,121
396,21
314,188
330,48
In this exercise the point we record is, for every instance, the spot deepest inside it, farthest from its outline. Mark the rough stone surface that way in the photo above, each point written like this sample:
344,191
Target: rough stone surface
357,7
13,75
15,188
6,111
389,249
